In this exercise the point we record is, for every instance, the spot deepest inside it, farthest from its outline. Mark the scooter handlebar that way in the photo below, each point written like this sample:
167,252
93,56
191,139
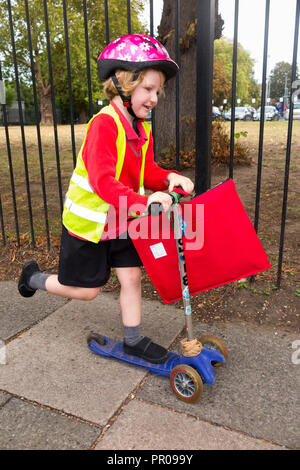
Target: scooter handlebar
156,208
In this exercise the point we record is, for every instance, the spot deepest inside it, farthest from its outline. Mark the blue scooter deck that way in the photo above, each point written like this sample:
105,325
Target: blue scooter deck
114,348
202,362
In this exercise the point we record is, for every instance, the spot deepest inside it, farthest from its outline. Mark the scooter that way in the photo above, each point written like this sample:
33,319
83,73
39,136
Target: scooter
195,365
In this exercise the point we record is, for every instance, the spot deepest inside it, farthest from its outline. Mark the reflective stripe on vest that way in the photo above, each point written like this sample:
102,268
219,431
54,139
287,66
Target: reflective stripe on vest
84,184
81,182
84,211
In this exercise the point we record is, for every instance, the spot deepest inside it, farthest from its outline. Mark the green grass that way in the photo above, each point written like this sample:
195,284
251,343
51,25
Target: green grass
274,155
274,142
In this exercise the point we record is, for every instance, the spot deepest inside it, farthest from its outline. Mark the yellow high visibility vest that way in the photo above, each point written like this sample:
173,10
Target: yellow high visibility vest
84,211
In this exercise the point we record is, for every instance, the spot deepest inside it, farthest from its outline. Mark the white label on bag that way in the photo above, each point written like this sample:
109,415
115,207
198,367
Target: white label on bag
158,250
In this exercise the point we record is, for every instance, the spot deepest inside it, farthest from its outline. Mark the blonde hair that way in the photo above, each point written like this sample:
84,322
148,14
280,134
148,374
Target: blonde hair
128,83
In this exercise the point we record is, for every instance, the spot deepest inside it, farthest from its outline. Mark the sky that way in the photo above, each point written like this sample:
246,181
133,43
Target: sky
251,29
252,26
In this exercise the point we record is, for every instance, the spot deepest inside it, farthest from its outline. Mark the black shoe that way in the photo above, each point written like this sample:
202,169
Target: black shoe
147,350
27,271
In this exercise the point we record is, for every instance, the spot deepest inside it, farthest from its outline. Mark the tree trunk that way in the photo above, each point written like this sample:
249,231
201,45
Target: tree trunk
44,91
82,117
165,111
46,106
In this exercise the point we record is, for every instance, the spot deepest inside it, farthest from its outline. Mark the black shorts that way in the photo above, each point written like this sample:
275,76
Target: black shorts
87,264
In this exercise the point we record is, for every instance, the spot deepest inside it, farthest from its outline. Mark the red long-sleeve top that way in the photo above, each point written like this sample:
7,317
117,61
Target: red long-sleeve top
100,159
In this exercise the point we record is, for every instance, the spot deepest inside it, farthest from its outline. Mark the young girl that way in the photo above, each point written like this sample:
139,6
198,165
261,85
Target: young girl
114,165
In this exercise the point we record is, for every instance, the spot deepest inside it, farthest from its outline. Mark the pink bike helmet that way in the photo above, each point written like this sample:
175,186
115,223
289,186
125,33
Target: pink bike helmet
135,52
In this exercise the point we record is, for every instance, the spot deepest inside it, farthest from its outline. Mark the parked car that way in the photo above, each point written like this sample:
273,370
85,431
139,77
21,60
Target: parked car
242,113
216,113
271,114
252,110
296,112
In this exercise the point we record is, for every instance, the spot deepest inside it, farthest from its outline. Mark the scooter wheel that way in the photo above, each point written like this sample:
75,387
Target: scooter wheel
186,383
97,338
215,343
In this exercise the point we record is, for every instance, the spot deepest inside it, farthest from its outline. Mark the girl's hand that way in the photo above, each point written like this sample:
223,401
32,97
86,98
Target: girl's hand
178,180
163,198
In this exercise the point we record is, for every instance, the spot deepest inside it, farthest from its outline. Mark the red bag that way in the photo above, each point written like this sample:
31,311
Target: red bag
220,244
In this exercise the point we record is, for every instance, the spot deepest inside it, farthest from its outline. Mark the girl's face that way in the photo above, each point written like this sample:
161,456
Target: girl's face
145,96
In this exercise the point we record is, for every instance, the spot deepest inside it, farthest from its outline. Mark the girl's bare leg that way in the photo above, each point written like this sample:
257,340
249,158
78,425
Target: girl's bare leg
83,293
130,295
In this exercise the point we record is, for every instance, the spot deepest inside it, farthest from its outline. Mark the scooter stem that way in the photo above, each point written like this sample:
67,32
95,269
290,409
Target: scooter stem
182,268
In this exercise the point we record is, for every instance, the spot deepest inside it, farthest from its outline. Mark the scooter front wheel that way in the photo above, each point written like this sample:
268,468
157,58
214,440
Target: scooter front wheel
186,383
215,343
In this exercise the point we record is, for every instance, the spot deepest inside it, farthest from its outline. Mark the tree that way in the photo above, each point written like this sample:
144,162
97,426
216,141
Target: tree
280,78
246,87
165,113
10,93
221,84
96,25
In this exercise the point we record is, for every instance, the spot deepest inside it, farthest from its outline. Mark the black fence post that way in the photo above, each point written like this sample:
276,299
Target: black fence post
262,115
47,31
233,95
2,224
87,52
14,53
129,17
204,79
262,120
3,102
10,165
69,81
288,146
153,129
107,33
177,9
37,120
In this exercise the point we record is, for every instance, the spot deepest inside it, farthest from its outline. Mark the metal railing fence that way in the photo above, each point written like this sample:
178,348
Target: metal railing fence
203,97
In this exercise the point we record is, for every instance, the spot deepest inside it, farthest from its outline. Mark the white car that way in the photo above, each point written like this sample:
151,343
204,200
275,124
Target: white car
216,113
242,113
271,114
296,112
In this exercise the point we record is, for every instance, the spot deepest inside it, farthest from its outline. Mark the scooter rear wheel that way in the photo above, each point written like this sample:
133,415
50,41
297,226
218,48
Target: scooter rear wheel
186,383
215,343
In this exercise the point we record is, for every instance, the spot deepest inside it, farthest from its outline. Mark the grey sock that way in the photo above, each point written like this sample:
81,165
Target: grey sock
132,335
38,280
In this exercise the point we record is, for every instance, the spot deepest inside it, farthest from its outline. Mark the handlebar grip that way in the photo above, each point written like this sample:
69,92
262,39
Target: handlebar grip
176,197
155,209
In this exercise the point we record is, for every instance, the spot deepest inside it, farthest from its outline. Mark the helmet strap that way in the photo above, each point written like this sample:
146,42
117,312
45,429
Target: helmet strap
126,102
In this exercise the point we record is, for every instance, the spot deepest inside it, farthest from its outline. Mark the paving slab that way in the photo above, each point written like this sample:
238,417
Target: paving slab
18,313
256,392
4,397
142,426
25,426
50,363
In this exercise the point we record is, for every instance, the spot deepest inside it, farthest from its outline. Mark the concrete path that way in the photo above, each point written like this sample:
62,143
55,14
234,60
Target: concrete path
56,394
